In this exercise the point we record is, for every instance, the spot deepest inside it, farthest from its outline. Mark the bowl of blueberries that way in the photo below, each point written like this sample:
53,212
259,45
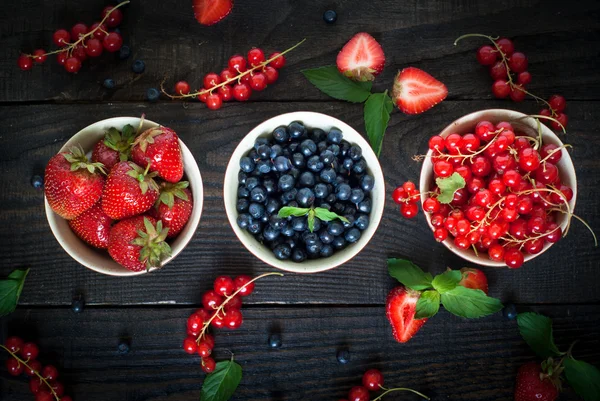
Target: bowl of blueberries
304,192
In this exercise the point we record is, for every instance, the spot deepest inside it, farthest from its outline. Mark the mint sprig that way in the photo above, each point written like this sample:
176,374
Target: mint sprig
10,291
222,383
311,213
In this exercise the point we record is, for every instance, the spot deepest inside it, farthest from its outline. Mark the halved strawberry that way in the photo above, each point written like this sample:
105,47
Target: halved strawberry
415,91
474,278
92,226
401,305
362,58
209,12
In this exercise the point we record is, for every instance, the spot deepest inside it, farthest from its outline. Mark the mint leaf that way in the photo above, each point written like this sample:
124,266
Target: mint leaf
428,304
326,215
446,281
221,384
311,220
288,211
469,303
377,115
10,291
584,378
536,330
331,82
448,186
409,274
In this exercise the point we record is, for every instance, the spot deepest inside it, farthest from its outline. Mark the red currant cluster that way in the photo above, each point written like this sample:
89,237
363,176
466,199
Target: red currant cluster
81,42
43,383
511,198
508,69
237,81
221,309
373,381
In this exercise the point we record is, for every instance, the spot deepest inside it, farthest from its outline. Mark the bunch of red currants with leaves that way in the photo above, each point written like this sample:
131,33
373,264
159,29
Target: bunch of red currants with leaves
81,42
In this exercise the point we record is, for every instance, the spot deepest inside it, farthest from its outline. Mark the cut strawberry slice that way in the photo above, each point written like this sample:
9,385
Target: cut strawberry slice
474,279
415,91
209,12
401,305
362,58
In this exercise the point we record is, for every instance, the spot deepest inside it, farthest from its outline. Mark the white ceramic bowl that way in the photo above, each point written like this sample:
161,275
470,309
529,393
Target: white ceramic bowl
311,120
523,124
97,259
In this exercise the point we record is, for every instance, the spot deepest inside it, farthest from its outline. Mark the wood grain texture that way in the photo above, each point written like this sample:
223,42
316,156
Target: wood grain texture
561,41
568,273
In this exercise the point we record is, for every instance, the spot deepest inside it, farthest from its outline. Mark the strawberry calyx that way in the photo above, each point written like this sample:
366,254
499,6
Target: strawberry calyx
120,141
552,370
76,156
361,74
145,179
147,137
169,191
152,240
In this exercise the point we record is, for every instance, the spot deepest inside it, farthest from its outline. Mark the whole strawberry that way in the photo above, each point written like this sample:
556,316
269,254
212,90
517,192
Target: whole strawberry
72,183
533,385
114,147
173,207
129,191
159,147
92,226
138,243
473,278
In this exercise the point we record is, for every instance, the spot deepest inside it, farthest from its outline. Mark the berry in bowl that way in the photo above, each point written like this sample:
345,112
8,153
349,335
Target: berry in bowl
123,196
304,192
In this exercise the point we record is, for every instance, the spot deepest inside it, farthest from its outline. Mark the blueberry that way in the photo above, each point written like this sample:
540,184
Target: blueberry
321,191
286,182
282,164
280,134
271,233
247,164
328,175
276,150
293,147
343,192
242,177
274,340
344,146
351,220
298,160
282,251
327,156
270,185
289,196
352,235
326,251
287,231
331,198
307,179
264,218
338,207
243,220
334,136
318,135
335,228
293,203
260,141
308,147
362,222
360,166
296,129
343,356
357,195
242,205
298,255
339,242
252,182
355,152
314,247
510,311
138,66
272,206
243,192
349,210
264,152
277,222
264,166
109,83
325,236
294,172
309,238
77,303
305,197
37,182
365,206
315,164
123,347
325,205
335,149
252,154
291,241
367,183
152,94
321,146
256,210
124,52
299,224
317,225
258,194
254,226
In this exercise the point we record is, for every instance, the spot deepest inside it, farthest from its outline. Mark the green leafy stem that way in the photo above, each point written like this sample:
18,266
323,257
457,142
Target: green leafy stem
312,213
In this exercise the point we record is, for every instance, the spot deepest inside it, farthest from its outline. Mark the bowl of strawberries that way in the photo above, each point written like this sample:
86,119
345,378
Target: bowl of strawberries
123,196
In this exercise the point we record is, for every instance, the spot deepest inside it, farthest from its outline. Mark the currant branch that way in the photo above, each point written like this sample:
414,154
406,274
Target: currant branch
391,390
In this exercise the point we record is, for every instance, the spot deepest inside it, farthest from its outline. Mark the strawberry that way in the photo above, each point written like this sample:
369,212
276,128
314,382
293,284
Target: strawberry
129,190
362,58
401,305
415,91
72,183
534,385
138,243
92,226
159,147
209,12
474,278
114,147
173,207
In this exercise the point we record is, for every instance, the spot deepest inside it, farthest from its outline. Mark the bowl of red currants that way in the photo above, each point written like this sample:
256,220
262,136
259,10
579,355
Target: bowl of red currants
304,192
498,187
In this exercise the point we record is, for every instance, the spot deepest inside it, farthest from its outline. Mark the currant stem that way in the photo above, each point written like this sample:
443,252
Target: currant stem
391,390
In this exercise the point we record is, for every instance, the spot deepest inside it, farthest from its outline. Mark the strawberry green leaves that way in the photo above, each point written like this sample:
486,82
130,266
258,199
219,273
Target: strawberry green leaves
10,291
448,186
584,378
311,213
536,330
329,81
377,115
222,383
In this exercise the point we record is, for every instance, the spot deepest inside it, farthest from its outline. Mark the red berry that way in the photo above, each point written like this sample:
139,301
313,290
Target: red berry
498,71
29,351
271,74
558,103
211,300
72,64
241,92
485,130
25,62
39,56
501,88
225,93
279,62
217,322
517,93
78,30
486,55
237,64
506,45
204,314
358,393
223,285
443,169
62,57
208,365
373,380
233,319
534,246
437,220
203,96
44,395
529,159
182,88
99,30
525,205
79,52
204,349
93,47
58,387
462,242
226,75
547,174
496,252
194,323
549,151
437,142
189,345
14,343
399,195
258,81
554,233
14,367
112,42
453,143
481,166
513,258
209,340
214,101
256,56
511,178
211,79
34,366
545,112
35,384
517,62
241,283
409,186
61,37
562,119
496,186
234,303
524,78
440,234
50,372
409,210
431,205
115,17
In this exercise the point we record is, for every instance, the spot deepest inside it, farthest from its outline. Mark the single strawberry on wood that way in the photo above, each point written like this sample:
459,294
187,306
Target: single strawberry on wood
362,58
129,190
401,306
534,385
114,147
159,147
474,278
72,183
93,226
415,91
173,207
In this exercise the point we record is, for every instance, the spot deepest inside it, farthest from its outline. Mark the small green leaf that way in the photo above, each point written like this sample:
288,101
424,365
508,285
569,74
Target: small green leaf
326,215
584,378
409,274
446,281
222,383
10,291
288,211
428,304
536,330
377,115
311,220
469,303
448,186
331,82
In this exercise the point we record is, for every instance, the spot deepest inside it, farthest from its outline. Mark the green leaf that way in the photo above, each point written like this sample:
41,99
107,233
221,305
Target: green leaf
10,291
428,304
469,303
409,274
536,330
448,186
326,215
446,281
311,220
377,115
331,82
221,384
288,211
584,378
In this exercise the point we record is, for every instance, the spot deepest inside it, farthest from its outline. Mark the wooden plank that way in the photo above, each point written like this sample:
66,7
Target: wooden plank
449,359
560,42
567,273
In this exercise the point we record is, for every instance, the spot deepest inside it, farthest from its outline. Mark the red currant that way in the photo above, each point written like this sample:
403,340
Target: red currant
549,152
256,56
225,93
66,398
558,103
35,384
237,64
506,45
496,187
409,186
211,79
217,322
517,93
485,130
223,285
271,74
399,195
93,47
464,171
431,205
189,345
58,387
437,142
525,205
547,174
443,169
44,395
373,380
99,30
517,62
115,17
204,350
501,88
529,159
234,303
481,166
203,96
78,30
233,319
554,233
409,210
487,55
496,252
182,88
454,143
358,393
34,366
437,220
29,351
440,234
112,42
513,258
463,226
208,365
498,71
241,92
214,101
462,242
25,62
61,37
562,119
475,213
536,225
534,246
50,372
226,75
524,78
72,64
62,57
211,300
209,339
241,283
279,62
14,343
509,214
39,56
79,52
258,81
14,367
194,323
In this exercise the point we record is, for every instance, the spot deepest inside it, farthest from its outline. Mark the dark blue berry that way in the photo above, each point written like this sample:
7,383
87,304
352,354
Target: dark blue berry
321,146
339,242
298,255
271,233
308,147
254,226
327,157
299,224
288,231
152,94
357,195
360,166
282,251
77,304
242,205
315,164
296,129
274,340
243,192
243,220
328,175
318,135
138,66
343,355
510,312
242,177
272,206
321,191
258,194
335,149
367,183
247,164
305,197
343,192
362,222
282,164
339,207
335,228
307,179
264,152
351,220
286,182
37,182
325,236
264,166
365,206
123,347
298,160
355,152
124,52
109,83
270,185
277,222
280,134
314,247
256,210
334,136
260,141
352,235
276,150
252,182
289,196
326,251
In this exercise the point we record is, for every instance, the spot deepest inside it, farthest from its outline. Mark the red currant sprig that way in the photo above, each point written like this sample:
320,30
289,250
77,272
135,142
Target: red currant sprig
407,196
373,381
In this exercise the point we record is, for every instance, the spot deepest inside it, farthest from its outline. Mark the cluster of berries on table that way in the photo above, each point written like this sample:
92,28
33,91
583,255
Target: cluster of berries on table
44,382
237,81
372,381
129,199
81,42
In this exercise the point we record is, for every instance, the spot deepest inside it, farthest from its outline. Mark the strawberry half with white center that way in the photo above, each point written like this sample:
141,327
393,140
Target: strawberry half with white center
114,147
362,58
209,12
474,278
401,306
138,243
160,147
535,385
129,190
72,183
415,91
173,207
92,226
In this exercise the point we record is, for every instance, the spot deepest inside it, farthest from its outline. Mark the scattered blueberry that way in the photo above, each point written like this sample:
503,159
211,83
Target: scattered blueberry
124,52
275,340
77,304
330,16
109,83
123,347
510,312
152,94
343,355
37,182
138,66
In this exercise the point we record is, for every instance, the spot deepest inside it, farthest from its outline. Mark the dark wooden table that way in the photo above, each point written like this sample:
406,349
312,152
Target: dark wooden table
449,359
